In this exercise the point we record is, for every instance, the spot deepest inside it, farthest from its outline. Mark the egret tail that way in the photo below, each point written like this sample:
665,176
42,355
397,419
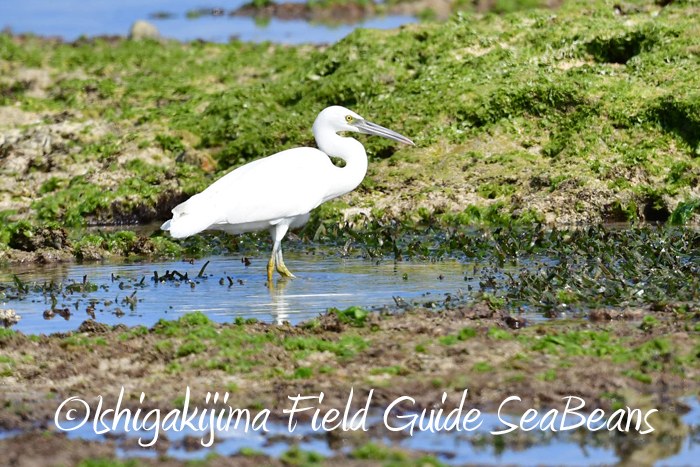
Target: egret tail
279,192
191,217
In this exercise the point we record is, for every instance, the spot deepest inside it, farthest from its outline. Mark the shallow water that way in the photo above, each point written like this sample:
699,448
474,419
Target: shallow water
323,281
71,19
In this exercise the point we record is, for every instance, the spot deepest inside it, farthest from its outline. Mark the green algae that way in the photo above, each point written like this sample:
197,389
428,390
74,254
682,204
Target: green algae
355,316
82,202
72,342
579,343
390,370
109,463
466,333
377,452
298,457
448,340
655,355
581,94
482,367
347,346
189,348
496,333
303,372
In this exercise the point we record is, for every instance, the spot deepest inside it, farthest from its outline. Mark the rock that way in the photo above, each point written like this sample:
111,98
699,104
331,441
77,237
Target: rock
12,116
52,255
30,238
89,253
608,314
93,327
199,159
8,317
515,322
37,80
63,313
141,30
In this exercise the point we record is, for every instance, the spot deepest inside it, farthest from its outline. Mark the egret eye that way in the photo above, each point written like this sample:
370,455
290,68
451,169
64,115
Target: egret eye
280,206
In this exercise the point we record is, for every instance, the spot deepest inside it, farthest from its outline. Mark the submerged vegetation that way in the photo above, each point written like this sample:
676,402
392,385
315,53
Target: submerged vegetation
540,268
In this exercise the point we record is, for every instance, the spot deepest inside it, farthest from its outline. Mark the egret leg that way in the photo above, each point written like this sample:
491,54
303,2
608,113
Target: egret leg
281,268
270,267
277,232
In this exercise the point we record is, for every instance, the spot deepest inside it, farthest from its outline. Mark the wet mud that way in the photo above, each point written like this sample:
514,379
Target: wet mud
422,353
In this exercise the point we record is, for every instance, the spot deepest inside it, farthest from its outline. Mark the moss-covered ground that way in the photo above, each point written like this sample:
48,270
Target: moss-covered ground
580,114
523,121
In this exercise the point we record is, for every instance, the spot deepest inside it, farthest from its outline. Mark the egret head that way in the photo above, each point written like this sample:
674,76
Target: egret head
337,118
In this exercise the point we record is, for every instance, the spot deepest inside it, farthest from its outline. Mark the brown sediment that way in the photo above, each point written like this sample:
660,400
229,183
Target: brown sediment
404,353
352,11
349,12
343,12
42,250
37,449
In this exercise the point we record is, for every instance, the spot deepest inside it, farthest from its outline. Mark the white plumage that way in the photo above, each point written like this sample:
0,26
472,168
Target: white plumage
279,191
257,193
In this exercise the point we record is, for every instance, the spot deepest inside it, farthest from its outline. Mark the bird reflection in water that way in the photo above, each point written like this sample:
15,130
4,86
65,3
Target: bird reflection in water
280,308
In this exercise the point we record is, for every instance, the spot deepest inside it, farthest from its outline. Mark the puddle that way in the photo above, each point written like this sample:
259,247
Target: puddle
578,447
323,281
70,19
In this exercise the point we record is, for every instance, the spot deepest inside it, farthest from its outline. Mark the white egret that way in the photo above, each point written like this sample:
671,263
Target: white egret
278,192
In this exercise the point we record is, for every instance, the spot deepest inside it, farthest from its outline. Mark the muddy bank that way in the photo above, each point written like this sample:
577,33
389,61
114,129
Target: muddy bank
55,449
641,362
422,353
58,450
90,171
355,11
343,12
28,244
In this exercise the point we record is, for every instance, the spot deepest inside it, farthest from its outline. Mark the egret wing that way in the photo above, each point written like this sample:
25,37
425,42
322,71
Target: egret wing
286,184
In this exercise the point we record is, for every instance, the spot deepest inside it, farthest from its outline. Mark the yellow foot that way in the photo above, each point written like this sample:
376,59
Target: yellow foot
282,269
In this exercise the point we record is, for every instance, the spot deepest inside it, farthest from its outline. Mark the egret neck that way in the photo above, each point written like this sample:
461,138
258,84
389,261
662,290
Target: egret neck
346,148
286,186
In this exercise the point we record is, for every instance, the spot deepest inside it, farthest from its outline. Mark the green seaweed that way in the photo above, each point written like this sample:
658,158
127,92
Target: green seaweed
581,97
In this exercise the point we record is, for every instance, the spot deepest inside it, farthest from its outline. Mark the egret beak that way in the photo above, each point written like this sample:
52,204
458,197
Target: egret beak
369,128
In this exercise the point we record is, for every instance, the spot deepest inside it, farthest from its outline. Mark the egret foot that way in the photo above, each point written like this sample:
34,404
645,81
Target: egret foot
281,268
